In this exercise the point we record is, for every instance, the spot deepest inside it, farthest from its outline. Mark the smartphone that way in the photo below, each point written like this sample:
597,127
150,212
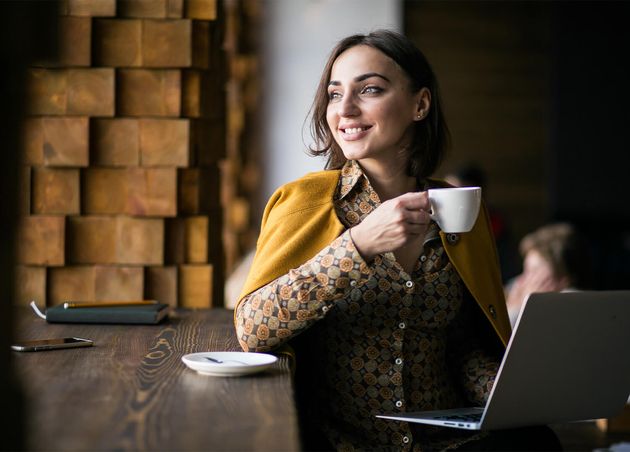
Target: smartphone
51,344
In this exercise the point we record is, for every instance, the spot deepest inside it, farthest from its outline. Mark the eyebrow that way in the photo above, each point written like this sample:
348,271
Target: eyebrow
360,78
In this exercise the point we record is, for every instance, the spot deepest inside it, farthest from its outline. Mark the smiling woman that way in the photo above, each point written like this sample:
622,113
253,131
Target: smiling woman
386,313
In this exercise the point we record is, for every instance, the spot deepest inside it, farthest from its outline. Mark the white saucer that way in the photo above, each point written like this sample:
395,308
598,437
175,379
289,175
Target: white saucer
234,364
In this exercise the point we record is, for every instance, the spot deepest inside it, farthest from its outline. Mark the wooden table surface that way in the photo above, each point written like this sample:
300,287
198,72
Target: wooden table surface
131,391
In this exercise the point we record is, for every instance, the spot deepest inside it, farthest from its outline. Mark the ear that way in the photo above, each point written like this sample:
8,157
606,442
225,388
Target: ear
422,103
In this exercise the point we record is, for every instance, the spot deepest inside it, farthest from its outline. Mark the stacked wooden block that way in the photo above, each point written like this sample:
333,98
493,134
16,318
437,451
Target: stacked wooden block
121,195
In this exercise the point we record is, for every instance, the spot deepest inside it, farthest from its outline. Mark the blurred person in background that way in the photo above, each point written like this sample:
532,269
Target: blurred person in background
555,259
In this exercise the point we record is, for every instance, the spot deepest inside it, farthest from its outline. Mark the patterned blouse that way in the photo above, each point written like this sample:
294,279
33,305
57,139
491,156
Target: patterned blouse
389,341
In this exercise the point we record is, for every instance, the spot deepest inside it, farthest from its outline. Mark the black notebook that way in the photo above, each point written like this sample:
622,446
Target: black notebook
140,314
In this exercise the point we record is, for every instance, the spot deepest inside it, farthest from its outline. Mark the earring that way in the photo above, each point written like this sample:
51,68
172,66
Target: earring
420,115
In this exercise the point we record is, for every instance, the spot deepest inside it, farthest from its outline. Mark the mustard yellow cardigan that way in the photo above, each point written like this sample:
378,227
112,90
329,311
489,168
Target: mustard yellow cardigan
300,220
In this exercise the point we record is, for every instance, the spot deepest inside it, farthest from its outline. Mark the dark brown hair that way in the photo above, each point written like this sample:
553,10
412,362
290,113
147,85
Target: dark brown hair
431,136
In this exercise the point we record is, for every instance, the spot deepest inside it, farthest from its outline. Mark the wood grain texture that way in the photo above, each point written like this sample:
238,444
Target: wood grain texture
94,239
114,142
70,283
201,9
90,92
105,190
32,141
132,392
187,240
194,286
89,8
41,240
203,94
118,42
201,44
164,142
144,92
94,283
47,93
115,282
132,191
151,8
167,43
154,192
55,191
24,203
30,284
65,141
56,141
160,283
198,190
75,41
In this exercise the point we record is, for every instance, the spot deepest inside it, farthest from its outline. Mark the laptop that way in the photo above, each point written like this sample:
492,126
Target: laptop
568,360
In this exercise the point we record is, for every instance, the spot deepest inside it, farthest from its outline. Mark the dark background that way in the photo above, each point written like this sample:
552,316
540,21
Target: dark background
27,33
590,168
538,95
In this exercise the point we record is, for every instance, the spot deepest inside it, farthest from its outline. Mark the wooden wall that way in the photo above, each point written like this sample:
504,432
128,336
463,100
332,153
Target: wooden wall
122,191
492,61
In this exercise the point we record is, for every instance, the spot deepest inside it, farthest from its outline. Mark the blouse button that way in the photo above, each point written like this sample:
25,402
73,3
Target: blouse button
353,283
452,238
423,258
409,284
325,309
399,404
402,325
399,361
405,439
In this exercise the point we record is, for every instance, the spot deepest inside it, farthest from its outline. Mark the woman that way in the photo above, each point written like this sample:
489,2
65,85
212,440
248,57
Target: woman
386,313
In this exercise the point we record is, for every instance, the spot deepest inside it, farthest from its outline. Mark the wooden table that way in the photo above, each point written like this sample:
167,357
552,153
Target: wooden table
131,391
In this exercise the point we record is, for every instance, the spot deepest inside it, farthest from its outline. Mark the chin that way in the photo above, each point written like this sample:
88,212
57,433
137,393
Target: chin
355,154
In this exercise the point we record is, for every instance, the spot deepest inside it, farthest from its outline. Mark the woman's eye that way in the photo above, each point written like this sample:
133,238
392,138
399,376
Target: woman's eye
334,95
371,90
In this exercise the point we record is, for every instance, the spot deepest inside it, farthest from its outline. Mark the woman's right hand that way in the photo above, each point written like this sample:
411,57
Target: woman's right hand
394,224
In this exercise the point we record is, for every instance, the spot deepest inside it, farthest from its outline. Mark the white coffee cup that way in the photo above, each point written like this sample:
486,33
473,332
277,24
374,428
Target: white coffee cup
455,209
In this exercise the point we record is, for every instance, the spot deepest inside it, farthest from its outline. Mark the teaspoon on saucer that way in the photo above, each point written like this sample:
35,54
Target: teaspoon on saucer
218,361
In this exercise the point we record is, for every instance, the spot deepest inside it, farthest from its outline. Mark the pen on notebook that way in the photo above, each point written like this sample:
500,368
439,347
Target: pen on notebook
106,304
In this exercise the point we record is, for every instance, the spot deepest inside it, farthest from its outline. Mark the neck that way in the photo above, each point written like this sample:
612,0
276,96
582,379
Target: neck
388,181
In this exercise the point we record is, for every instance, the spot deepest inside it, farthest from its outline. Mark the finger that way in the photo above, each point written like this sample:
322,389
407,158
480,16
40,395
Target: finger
414,201
417,217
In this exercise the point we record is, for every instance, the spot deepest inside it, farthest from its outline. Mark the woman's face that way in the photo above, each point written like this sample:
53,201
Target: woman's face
371,109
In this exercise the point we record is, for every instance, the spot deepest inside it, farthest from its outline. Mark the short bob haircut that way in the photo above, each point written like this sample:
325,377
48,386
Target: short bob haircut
431,137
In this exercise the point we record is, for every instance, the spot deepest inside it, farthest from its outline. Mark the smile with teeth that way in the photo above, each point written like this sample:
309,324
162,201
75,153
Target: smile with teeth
355,130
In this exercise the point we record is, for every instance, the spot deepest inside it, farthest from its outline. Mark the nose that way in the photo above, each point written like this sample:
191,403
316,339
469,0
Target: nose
348,106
